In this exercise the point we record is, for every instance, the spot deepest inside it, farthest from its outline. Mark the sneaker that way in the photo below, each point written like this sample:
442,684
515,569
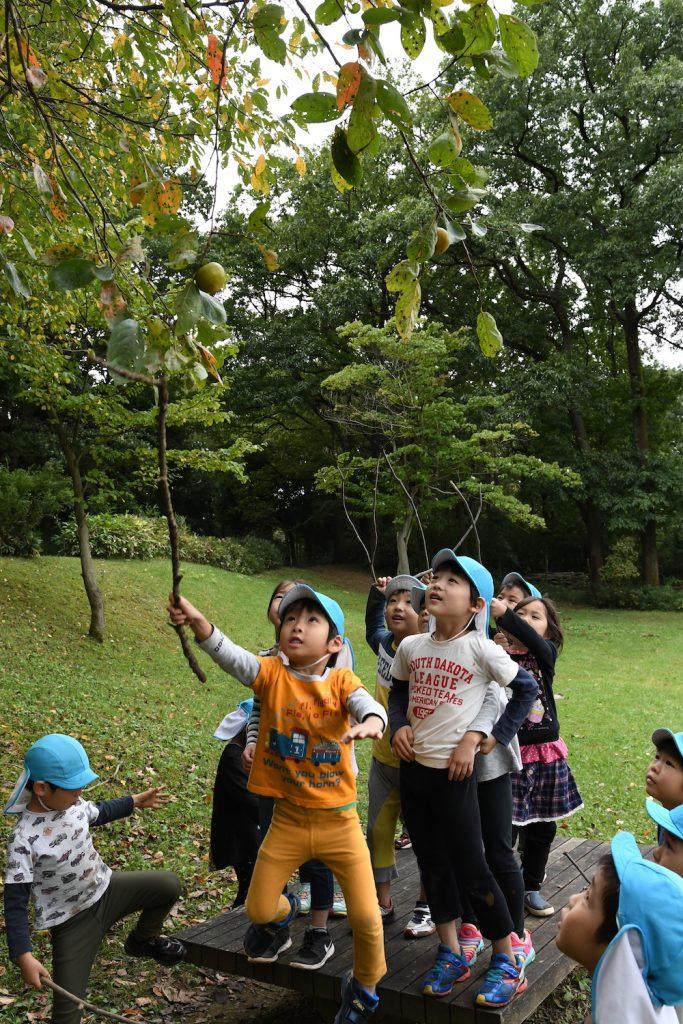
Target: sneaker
523,949
357,1004
421,923
504,980
448,971
303,892
160,948
471,942
403,842
315,950
536,905
388,913
338,904
263,943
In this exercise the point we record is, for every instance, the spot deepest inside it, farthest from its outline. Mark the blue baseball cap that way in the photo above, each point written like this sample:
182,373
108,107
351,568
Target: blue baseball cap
476,574
671,820
302,592
651,901
58,759
515,579
660,736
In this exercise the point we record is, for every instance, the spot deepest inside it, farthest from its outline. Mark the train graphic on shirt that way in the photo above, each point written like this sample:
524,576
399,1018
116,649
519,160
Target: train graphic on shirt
295,747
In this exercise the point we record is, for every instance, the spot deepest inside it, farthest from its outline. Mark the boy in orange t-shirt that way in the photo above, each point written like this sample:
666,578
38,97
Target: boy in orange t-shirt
303,760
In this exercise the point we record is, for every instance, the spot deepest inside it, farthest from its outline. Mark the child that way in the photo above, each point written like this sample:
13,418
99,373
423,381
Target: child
669,853
439,684
626,929
306,767
544,790
664,778
51,858
390,616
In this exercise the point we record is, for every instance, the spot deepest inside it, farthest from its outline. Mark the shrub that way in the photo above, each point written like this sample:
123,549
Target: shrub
130,536
667,598
621,564
27,499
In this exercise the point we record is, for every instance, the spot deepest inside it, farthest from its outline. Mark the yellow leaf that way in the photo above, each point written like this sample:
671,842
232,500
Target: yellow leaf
248,104
260,165
300,165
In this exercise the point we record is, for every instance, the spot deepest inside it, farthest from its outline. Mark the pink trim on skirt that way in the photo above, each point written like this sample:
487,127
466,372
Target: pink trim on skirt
546,753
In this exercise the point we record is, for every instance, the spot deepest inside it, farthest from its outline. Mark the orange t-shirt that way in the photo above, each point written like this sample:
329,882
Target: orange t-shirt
299,754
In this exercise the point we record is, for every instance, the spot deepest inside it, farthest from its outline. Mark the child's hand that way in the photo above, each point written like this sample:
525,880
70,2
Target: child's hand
402,743
501,638
185,614
487,745
152,799
372,728
32,970
381,583
461,764
498,607
248,756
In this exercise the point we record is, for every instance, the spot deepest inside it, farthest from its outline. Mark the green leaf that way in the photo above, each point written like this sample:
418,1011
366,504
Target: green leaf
478,26
381,15
455,232
346,163
328,12
490,338
471,109
125,348
444,150
211,309
74,273
407,309
530,228
530,3
354,37
438,20
478,229
362,129
413,35
401,276
393,105
188,307
453,41
422,243
27,245
519,42
268,27
316,107
256,221
464,199
16,283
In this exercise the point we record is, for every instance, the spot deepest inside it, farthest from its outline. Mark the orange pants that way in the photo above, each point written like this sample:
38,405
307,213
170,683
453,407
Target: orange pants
298,834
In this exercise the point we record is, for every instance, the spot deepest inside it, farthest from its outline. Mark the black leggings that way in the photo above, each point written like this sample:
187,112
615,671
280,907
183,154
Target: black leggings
495,810
535,841
314,872
235,835
442,818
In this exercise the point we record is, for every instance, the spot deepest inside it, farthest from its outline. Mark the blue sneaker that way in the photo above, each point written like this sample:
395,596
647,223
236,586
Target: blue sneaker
263,943
448,970
504,980
357,1003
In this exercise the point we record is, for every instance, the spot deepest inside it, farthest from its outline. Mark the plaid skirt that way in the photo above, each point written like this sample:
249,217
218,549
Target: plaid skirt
544,792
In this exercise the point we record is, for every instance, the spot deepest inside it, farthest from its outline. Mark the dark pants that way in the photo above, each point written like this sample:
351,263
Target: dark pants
495,810
535,841
313,872
442,818
235,837
76,942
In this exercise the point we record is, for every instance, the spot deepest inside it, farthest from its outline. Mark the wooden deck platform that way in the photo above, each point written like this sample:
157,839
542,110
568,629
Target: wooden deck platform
218,944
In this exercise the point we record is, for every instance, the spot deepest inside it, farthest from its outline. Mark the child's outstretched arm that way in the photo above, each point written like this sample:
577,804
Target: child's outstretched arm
123,806
369,714
543,650
375,628
233,659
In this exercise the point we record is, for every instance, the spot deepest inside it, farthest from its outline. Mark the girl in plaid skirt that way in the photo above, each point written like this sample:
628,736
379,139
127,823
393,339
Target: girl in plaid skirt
544,791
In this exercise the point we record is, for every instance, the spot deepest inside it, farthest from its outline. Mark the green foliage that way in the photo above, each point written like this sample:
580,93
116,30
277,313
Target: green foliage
141,537
666,598
621,564
27,499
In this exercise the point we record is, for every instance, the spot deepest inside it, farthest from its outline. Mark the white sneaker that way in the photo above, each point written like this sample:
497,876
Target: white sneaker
420,924
303,891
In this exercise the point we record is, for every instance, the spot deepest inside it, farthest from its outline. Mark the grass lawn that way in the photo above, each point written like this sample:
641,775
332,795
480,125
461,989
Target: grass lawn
144,718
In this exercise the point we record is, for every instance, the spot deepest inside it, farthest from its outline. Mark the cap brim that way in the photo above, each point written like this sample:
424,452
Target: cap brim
78,781
398,583
624,851
660,815
417,598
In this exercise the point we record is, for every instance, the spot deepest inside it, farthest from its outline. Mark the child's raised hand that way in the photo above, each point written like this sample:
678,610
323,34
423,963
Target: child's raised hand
498,607
487,745
372,728
381,583
151,799
248,756
501,638
402,743
185,614
32,970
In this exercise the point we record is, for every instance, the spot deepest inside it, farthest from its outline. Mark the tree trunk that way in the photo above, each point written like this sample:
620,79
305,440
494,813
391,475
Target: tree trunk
589,509
92,590
402,538
641,440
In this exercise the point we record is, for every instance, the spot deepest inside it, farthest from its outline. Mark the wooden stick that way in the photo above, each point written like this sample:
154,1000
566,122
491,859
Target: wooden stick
580,870
410,499
167,504
473,518
82,1004
353,527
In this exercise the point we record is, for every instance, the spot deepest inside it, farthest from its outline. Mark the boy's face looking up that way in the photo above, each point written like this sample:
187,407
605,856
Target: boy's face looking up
664,778
582,932
670,853
400,616
307,635
450,595
511,596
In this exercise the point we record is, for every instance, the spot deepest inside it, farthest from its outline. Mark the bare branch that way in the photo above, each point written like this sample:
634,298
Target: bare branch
412,503
82,1003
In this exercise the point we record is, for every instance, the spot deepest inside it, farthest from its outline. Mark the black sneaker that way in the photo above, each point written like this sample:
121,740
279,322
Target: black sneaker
163,950
357,1004
263,943
315,950
387,913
